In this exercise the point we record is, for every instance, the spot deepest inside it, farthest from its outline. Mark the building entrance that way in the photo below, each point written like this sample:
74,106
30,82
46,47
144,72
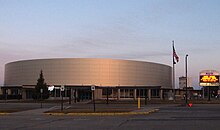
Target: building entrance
84,94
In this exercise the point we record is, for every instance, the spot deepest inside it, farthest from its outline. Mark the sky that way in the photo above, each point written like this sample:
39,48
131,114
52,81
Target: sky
119,29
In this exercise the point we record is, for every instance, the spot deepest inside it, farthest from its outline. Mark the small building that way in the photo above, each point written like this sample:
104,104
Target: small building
182,82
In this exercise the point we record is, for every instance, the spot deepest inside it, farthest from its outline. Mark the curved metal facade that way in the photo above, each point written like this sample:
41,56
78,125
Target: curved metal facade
89,71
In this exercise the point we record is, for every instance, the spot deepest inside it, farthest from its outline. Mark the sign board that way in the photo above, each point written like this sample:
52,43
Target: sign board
209,78
51,88
41,90
93,87
62,88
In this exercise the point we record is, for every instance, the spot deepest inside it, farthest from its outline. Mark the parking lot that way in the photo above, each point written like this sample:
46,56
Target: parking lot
169,116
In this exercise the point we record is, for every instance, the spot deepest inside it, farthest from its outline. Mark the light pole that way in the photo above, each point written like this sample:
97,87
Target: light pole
186,80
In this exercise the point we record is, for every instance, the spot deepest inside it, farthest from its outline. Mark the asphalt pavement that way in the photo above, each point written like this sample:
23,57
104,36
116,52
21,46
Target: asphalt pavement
171,117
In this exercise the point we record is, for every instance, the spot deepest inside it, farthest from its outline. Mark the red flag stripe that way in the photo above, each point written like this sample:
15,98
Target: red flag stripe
175,55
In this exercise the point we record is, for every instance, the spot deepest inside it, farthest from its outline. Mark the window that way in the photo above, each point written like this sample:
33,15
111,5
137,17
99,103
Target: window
155,92
106,91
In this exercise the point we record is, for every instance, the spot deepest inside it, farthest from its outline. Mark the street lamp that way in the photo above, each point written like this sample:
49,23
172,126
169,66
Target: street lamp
186,79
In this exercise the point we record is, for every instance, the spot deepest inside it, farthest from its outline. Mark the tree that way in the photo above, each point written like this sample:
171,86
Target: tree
41,85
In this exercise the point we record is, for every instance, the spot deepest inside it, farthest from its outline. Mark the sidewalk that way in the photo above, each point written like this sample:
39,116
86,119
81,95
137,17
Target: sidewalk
87,110
143,111
31,112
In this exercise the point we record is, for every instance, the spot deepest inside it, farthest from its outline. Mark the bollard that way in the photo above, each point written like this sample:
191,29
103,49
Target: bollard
139,103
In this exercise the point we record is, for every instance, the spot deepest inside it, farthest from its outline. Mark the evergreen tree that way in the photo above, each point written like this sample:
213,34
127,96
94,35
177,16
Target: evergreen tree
41,85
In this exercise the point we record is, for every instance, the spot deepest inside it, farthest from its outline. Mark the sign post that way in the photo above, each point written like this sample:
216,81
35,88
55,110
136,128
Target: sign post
70,95
145,97
62,88
6,95
93,94
209,95
41,92
107,94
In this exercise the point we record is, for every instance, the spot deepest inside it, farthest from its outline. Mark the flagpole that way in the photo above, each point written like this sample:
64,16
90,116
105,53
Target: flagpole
173,72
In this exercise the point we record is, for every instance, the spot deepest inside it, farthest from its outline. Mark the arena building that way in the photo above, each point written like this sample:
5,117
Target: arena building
118,79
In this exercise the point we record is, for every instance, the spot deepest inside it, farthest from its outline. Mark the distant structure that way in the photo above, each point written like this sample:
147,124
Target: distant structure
182,82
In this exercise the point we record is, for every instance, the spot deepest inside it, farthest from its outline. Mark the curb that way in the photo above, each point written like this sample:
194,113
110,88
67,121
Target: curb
103,114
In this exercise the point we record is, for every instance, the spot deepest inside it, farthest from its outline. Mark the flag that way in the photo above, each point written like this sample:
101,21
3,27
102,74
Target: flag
175,56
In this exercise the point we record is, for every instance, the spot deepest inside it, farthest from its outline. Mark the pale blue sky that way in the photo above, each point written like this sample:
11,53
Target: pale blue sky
119,29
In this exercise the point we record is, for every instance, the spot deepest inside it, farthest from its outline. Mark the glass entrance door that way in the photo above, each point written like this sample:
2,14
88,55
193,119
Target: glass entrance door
84,94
